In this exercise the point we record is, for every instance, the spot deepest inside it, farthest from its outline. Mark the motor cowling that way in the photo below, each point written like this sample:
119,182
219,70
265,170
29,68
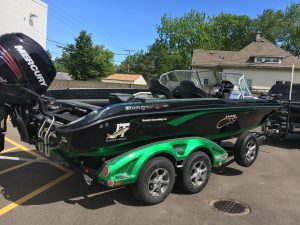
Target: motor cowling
23,64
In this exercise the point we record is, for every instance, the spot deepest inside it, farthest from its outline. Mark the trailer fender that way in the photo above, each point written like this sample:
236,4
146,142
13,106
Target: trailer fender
124,169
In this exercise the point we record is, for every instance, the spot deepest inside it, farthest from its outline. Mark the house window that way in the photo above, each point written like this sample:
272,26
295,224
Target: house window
267,60
258,59
283,82
275,60
206,81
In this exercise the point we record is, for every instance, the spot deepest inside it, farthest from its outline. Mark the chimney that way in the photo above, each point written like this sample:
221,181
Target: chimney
258,37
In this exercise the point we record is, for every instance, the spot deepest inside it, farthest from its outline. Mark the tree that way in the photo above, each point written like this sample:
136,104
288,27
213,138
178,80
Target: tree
59,64
231,32
138,63
270,23
291,29
166,59
184,33
85,61
49,53
177,38
282,27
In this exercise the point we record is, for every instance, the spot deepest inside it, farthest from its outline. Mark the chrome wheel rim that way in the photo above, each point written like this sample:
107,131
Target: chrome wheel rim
198,173
158,182
251,150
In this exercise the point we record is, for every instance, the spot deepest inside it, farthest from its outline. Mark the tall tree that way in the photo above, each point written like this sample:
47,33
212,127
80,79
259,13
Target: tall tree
282,27
231,32
270,23
138,63
291,29
185,33
85,61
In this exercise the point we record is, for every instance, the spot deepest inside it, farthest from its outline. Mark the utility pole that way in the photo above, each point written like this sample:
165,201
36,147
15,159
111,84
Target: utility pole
129,58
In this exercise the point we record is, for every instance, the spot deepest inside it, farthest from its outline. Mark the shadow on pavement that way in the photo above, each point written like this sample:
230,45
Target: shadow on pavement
226,171
290,143
75,191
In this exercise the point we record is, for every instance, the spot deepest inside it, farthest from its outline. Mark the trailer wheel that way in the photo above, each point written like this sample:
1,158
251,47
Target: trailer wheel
155,181
246,149
195,174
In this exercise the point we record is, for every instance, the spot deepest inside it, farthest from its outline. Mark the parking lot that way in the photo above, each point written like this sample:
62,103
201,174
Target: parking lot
45,193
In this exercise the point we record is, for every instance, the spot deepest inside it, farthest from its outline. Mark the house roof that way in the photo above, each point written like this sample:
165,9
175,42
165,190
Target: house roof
123,77
244,57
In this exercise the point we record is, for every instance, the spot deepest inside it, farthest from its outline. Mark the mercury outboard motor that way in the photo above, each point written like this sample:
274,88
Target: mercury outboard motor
26,72
23,64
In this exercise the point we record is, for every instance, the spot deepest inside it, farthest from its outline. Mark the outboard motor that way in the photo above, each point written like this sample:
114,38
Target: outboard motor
26,72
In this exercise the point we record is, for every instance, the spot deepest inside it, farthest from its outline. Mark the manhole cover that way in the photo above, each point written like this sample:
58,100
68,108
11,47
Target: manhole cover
230,207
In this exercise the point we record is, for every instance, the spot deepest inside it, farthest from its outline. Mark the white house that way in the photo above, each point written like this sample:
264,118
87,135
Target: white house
125,79
262,62
25,16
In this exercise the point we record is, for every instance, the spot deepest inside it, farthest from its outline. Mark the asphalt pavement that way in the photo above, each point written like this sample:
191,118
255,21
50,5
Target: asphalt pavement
44,193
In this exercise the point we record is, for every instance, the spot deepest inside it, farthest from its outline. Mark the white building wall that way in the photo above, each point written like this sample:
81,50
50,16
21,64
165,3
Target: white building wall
265,78
25,16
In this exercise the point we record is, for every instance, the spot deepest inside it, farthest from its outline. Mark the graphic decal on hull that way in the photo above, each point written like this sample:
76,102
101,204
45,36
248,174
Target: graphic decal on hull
229,119
119,134
154,120
145,107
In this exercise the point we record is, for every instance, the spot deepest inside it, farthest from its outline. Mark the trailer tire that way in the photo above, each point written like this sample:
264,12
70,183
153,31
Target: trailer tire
195,173
246,149
155,181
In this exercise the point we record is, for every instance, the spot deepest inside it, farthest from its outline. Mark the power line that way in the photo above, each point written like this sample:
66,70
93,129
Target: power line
62,45
65,16
74,23
56,42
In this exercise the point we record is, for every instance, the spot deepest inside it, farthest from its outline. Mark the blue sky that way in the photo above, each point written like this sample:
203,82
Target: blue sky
131,24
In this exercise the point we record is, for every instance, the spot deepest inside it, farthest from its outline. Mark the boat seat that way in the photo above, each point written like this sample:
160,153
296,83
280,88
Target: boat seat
156,88
120,98
189,90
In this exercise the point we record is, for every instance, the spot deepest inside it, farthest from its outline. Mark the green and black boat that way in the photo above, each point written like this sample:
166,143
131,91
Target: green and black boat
128,137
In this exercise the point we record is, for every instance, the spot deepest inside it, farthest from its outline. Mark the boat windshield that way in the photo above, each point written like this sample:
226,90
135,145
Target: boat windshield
239,82
173,78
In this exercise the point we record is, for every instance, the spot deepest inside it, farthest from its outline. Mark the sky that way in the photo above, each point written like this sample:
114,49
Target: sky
122,25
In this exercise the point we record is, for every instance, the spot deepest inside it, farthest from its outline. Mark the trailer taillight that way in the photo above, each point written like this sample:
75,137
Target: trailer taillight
105,171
